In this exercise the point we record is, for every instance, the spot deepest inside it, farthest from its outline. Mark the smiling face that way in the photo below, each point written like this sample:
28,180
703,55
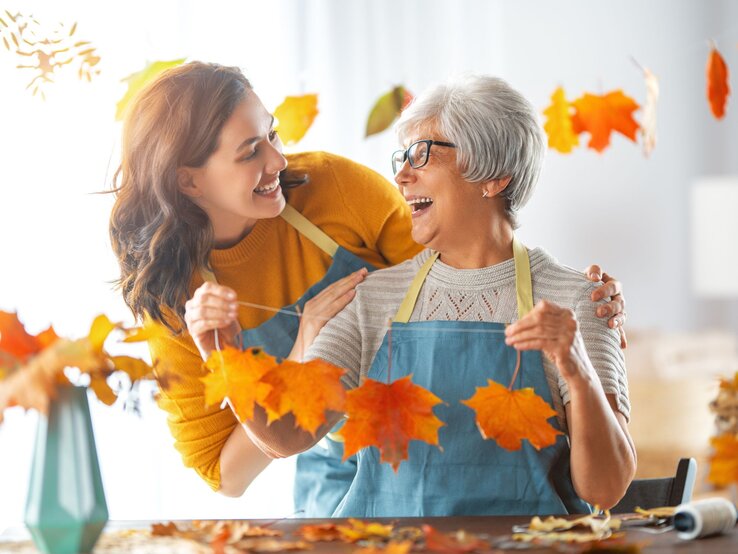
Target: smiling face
239,182
446,209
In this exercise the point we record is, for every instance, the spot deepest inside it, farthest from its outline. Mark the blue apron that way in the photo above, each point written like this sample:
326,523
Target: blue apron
471,476
321,479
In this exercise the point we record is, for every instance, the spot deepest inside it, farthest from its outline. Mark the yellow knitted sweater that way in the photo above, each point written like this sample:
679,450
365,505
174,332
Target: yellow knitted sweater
273,266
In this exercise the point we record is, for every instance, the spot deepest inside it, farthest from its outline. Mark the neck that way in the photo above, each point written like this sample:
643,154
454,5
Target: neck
228,234
490,247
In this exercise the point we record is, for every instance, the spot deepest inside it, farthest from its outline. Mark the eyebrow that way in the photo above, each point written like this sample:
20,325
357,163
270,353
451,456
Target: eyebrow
252,140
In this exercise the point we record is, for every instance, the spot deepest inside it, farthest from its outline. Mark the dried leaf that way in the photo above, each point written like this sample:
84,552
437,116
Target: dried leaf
724,460
665,511
134,367
321,532
389,416
237,376
601,115
559,126
295,115
358,530
307,390
452,543
509,416
17,343
392,547
718,88
137,81
164,529
387,109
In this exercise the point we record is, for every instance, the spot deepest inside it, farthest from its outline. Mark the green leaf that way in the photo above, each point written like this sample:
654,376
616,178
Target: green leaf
136,81
386,109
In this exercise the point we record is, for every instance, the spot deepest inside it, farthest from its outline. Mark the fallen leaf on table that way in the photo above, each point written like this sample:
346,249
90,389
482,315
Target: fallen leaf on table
389,416
666,511
325,532
271,545
509,416
237,376
295,115
386,109
164,529
307,390
601,115
392,547
459,542
718,88
559,126
724,460
357,530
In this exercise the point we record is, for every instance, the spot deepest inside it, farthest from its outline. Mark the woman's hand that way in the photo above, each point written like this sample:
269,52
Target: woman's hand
322,307
212,307
614,309
553,330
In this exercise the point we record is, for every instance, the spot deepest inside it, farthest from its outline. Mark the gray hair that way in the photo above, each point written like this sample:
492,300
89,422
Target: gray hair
495,129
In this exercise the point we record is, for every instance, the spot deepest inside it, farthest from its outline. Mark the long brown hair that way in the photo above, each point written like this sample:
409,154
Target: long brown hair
158,234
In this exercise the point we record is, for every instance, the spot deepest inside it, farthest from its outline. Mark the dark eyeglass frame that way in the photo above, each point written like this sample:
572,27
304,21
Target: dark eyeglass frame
406,157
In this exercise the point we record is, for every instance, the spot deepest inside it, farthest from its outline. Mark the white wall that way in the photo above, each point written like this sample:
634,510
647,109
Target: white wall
618,209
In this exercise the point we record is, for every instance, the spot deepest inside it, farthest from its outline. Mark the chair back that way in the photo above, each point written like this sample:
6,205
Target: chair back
665,491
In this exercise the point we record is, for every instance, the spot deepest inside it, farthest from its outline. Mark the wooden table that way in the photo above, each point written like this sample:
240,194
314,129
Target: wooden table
494,526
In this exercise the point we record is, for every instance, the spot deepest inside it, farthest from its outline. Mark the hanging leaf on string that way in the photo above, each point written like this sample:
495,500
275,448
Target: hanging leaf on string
389,416
648,122
295,115
724,460
508,416
137,81
387,109
718,88
559,126
601,115
236,375
307,390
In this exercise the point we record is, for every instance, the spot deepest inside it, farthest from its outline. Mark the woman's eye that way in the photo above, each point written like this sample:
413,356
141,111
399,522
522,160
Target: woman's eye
272,135
250,156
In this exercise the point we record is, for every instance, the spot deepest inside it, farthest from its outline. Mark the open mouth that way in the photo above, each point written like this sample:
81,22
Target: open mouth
268,189
420,205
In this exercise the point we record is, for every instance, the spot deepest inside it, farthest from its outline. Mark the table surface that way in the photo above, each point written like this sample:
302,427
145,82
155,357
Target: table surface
492,526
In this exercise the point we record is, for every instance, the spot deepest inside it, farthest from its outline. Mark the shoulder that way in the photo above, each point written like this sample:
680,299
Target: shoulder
557,282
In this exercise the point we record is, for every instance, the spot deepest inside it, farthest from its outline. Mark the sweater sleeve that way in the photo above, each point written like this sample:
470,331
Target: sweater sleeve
378,208
199,431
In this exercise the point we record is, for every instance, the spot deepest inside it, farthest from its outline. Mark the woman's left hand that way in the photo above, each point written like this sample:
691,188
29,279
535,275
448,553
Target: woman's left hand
553,330
614,309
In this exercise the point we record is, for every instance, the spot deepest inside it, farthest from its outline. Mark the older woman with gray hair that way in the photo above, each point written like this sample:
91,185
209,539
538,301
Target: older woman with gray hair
471,156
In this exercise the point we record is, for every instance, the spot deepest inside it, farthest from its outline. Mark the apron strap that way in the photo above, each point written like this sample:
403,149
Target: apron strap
523,284
303,226
309,230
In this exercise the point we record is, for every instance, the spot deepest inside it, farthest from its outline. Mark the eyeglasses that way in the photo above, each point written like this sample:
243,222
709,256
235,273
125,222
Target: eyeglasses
417,154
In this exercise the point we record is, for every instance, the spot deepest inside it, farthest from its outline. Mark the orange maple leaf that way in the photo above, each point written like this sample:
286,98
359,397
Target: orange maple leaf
389,416
320,532
601,115
452,543
305,389
237,374
717,83
559,126
724,461
16,344
508,416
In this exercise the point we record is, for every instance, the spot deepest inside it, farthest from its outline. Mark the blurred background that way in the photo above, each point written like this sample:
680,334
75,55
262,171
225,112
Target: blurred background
663,225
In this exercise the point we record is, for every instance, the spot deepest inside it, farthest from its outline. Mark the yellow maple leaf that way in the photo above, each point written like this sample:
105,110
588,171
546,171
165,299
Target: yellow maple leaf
559,126
237,375
295,115
305,389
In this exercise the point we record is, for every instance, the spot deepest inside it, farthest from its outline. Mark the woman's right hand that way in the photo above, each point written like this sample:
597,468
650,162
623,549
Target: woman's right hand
212,307
322,307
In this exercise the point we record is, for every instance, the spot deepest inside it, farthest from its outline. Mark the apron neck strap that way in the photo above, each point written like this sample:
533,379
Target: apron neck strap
309,230
303,226
523,284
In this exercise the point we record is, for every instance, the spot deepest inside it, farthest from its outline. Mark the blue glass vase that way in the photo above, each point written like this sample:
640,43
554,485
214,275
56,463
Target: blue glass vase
66,509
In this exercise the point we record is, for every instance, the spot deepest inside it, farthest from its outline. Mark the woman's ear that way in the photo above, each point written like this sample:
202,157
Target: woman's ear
493,187
186,183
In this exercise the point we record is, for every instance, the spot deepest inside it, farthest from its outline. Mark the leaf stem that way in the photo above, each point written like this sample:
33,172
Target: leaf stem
389,351
515,373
